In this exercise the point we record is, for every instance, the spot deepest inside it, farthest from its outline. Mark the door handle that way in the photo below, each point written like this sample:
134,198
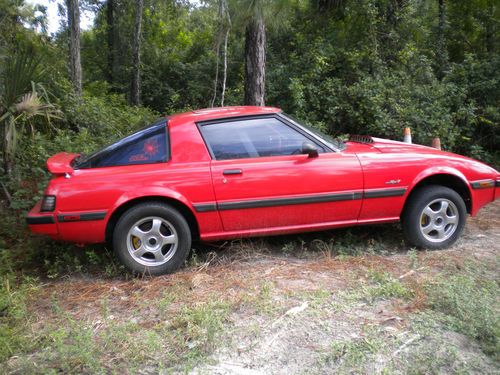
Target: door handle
228,172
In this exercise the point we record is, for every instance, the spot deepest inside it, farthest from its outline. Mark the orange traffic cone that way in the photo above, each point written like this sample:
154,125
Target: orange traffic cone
436,143
407,135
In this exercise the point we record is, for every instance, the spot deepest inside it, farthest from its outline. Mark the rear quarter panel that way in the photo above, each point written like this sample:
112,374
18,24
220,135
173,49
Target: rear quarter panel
186,178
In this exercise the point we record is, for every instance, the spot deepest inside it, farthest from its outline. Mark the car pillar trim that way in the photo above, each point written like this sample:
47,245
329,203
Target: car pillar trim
384,193
76,216
483,184
32,220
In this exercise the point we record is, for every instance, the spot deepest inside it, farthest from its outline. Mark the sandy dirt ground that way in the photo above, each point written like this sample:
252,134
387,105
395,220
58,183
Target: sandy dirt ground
294,312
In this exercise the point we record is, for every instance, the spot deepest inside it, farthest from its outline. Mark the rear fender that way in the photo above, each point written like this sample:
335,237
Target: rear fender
151,192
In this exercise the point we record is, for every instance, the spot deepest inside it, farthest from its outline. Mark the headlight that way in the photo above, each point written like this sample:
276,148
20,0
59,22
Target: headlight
48,203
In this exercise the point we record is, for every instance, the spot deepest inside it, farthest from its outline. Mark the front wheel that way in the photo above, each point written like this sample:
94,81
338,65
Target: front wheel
434,218
152,238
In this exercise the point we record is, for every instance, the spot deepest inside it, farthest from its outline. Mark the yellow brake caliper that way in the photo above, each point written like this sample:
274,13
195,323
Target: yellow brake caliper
136,242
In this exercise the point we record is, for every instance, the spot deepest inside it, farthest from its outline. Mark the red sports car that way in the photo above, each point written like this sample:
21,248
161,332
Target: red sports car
231,172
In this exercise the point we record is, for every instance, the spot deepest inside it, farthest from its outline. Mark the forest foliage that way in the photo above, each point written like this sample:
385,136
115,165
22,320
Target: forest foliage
344,66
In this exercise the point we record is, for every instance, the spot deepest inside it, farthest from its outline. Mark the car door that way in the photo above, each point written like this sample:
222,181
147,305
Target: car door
261,179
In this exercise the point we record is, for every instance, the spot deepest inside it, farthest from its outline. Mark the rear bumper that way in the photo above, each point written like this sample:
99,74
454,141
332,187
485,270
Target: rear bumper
79,227
42,222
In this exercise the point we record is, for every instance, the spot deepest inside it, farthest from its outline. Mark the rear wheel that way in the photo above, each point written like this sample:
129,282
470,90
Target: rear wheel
152,238
434,218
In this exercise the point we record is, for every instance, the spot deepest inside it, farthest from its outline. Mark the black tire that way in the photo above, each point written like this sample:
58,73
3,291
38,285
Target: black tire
162,243
434,217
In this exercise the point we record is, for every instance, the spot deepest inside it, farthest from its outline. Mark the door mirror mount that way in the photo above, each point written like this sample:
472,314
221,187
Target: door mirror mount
309,149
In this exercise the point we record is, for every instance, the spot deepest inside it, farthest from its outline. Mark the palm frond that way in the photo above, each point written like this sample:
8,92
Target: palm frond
19,70
30,105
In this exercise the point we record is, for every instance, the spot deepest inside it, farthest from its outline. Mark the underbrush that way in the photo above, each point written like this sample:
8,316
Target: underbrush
339,243
87,124
26,263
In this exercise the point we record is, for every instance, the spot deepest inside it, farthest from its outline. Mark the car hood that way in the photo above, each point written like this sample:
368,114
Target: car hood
387,145
366,144
363,144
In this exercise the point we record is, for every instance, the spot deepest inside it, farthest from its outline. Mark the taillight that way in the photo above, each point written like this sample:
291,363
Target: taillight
48,203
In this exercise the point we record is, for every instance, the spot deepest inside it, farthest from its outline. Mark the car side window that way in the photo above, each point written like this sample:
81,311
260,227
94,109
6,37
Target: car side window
144,147
252,138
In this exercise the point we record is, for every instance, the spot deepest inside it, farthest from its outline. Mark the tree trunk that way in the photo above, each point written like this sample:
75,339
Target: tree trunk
224,21
255,62
75,65
224,71
216,79
442,56
135,94
9,141
110,18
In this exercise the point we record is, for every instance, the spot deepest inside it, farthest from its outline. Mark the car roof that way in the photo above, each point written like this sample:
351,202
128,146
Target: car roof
219,112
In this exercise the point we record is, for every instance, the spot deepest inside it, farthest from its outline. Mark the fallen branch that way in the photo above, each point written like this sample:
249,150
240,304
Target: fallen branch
292,311
402,347
410,273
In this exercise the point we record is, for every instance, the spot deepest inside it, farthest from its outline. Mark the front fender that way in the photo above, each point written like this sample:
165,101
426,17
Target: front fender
478,197
441,170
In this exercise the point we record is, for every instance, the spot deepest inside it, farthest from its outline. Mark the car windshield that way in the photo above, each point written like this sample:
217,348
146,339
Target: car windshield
333,143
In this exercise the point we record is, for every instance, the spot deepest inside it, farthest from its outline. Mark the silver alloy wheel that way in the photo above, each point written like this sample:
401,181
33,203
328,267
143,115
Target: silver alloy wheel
152,241
439,220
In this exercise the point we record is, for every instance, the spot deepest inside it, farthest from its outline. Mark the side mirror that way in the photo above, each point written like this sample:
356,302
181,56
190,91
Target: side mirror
309,149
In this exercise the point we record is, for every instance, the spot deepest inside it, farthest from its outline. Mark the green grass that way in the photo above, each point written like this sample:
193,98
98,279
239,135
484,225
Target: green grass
260,300
199,326
469,302
177,343
352,353
14,317
383,285
423,347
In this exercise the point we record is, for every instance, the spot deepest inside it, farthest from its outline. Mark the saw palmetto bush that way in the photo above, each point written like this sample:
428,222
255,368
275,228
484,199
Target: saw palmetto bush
22,99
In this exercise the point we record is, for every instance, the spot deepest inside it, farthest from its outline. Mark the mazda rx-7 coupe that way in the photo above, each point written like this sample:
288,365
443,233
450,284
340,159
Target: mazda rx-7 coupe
233,172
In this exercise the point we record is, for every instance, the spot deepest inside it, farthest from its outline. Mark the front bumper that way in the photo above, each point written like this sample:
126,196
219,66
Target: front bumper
42,222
